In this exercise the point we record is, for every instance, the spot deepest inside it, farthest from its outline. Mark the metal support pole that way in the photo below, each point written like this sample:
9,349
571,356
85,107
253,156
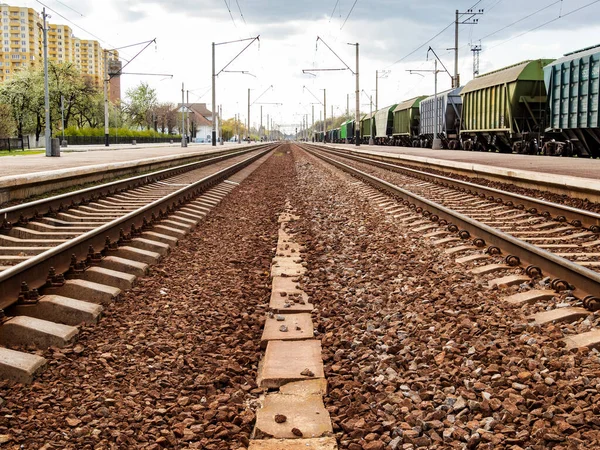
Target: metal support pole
268,128
62,115
455,80
348,104
261,128
357,118
187,101
248,115
221,124
371,140
377,90
437,142
313,124
324,115
46,89
106,124
183,139
214,99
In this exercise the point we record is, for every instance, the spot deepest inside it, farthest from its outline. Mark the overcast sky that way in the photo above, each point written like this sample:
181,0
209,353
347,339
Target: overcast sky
387,30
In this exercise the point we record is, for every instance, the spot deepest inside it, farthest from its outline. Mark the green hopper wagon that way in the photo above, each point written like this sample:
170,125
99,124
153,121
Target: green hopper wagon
405,131
505,110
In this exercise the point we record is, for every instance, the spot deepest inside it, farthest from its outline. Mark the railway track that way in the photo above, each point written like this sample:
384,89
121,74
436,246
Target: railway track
536,250
63,258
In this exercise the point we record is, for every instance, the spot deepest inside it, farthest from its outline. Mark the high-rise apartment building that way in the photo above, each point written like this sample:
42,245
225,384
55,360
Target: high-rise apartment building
22,45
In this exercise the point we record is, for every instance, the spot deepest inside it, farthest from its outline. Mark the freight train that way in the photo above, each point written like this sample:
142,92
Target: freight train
543,106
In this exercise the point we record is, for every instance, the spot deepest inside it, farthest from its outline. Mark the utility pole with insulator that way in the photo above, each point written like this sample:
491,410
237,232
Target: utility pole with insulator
183,139
462,18
46,89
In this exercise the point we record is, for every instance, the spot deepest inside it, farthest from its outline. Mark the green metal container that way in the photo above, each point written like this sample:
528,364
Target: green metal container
384,122
365,126
573,95
344,130
505,107
406,121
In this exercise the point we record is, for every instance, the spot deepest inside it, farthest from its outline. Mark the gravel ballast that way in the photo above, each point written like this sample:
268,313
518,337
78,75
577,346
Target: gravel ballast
418,352
173,363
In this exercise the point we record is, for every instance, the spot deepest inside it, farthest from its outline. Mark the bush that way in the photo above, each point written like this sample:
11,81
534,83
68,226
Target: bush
121,132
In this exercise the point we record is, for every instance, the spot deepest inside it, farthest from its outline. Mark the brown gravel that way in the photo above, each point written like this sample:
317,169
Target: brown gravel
561,199
418,353
173,364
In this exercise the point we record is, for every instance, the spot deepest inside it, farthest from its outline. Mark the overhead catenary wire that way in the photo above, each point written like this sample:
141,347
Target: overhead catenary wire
68,7
349,14
546,23
74,24
520,20
334,8
429,40
230,14
240,10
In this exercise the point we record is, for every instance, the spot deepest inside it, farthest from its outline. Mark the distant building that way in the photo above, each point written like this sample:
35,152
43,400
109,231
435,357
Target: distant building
22,45
200,120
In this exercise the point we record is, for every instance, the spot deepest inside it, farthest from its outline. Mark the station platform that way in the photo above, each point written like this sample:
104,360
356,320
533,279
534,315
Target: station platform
25,176
573,177
572,167
84,155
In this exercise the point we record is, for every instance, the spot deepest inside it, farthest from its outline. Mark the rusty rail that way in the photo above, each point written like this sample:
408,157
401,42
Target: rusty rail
586,281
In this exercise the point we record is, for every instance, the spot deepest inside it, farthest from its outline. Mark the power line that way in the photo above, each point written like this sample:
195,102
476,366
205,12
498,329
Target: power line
521,19
430,40
74,24
546,23
348,16
230,15
240,10
333,12
493,6
68,7
421,46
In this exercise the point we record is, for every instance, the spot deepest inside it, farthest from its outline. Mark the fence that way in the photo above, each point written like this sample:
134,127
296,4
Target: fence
99,140
14,143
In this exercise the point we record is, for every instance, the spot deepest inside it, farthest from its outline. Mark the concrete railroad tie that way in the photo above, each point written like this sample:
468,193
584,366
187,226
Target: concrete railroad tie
294,417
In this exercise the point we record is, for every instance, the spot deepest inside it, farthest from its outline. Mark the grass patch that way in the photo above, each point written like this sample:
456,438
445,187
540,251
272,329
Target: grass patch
20,152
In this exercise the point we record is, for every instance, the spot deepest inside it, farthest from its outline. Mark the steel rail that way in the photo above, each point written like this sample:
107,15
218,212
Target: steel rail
40,207
587,219
35,270
586,281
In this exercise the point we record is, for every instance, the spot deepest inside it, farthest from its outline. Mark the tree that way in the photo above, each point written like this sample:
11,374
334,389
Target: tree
7,124
140,101
18,93
165,115
230,127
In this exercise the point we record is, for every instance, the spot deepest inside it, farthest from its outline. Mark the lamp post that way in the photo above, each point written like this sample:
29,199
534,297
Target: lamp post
46,89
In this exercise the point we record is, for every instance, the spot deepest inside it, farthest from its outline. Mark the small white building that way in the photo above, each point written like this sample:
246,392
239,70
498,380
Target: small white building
200,120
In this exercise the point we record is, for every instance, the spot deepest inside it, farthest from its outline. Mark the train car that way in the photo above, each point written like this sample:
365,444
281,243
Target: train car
334,135
347,131
573,95
448,119
405,130
366,128
505,110
318,136
384,124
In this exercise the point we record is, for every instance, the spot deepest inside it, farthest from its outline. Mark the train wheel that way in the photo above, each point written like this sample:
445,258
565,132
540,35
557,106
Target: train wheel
416,143
453,145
